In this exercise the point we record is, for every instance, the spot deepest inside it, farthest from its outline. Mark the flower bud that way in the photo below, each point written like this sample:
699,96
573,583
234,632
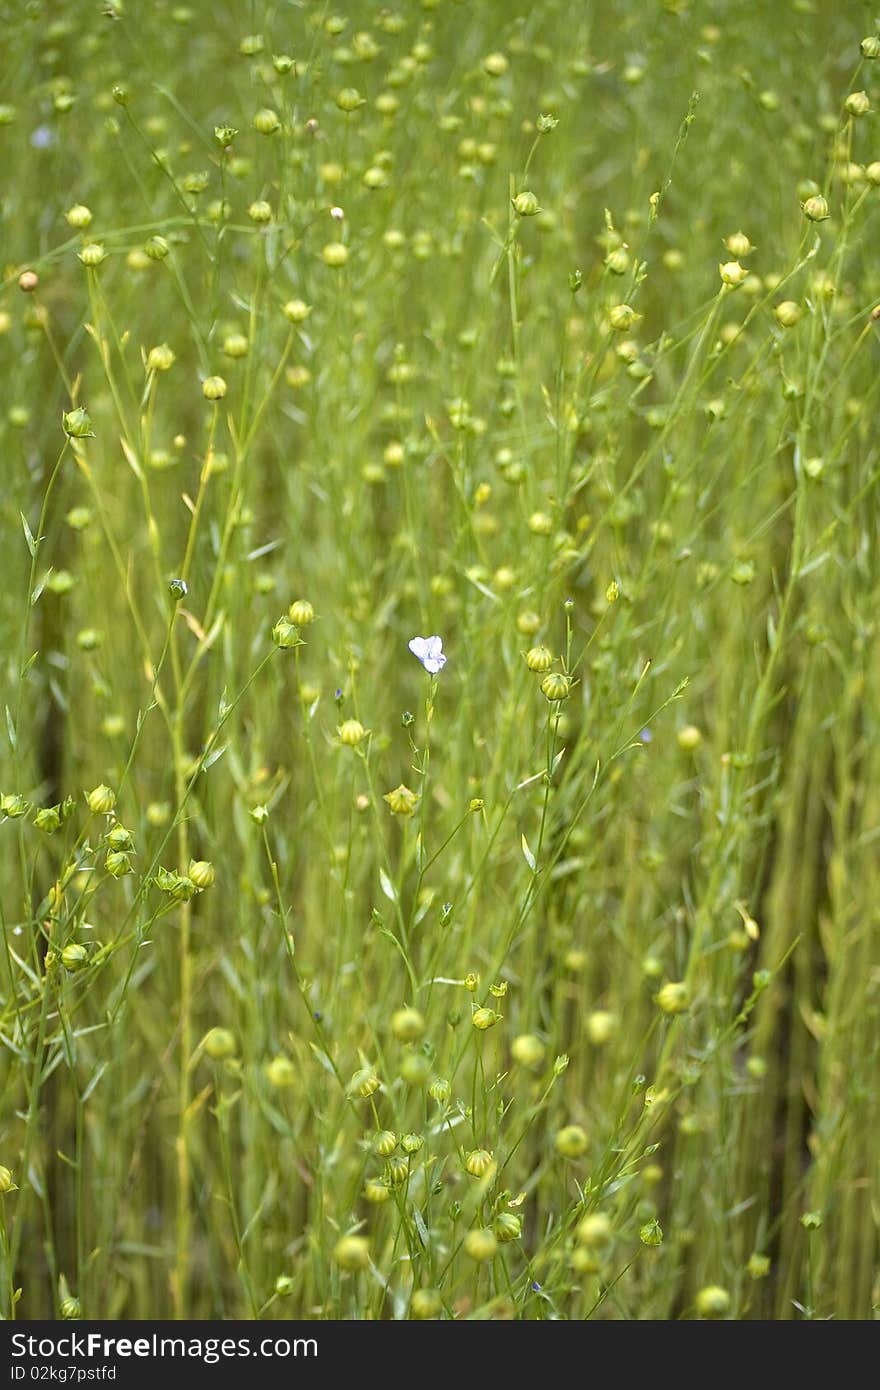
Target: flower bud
376,1191
415,1069
202,873
6,1181
713,1301
285,634
281,1073
160,358
70,1309
870,47
13,806
689,738
594,1230
478,1163
78,217
117,863
156,248
481,1244
495,64
526,204
364,1083
259,814
285,1286
411,1143
352,1253
219,1043
556,686
758,1266
622,317
788,313
816,208
235,345
401,800
397,1171
92,255
440,1090
301,612
507,1226
48,819
77,424
74,956
425,1303
28,281
101,800
266,121
335,254
539,659
385,1143
738,244
349,99
732,273
407,1025
213,388
857,104
674,997
296,310
601,1027
528,1050
351,732
571,1141
484,1019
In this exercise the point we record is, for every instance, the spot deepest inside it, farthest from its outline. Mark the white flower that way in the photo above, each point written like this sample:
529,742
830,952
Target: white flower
429,651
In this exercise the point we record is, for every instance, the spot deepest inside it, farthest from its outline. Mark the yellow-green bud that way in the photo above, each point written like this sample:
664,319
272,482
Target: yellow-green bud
335,254
415,1069
92,254
201,872
349,99
816,208
13,805
440,1090
713,1301
788,313
48,819
266,121
301,612
285,634
601,1027
401,800
870,47
689,738
219,1043
507,1226
758,1266
213,388
285,1286
235,345
732,273
495,64
259,814
738,244
281,1073
571,1141
539,659
471,981
594,1230
528,622
101,800
296,310
259,211
526,204
376,1191
385,1142
528,1050
426,1303
484,1019
78,217
76,424
556,686
364,1083
156,248
411,1143
481,1244
397,1171
74,956
674,997
478,1163
857,104
407,1025
351,732
352,1253
7,1183
117,863
70,1309
872,172
584,1261
622,317
160,359
541,524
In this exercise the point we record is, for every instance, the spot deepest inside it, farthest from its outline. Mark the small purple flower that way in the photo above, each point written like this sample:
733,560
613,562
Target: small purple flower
42,137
